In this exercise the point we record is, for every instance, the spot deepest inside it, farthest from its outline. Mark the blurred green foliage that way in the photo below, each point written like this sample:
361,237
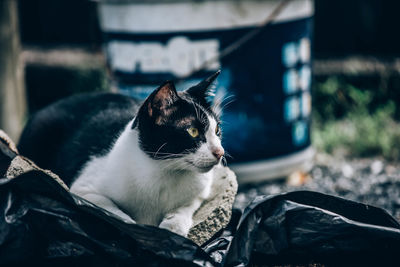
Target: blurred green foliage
358,122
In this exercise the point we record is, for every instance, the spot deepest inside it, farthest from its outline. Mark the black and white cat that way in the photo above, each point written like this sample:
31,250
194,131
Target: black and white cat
152,163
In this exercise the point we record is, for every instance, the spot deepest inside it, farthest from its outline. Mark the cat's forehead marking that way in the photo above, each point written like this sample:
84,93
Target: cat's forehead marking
212,125
161,119
187,121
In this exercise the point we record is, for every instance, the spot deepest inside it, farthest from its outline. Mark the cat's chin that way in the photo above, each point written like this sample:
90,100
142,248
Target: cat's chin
202,168
205,169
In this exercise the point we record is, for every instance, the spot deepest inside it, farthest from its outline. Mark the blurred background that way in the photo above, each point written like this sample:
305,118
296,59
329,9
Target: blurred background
53,49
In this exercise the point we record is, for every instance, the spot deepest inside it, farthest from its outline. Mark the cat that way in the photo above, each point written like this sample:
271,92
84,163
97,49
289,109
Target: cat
150,163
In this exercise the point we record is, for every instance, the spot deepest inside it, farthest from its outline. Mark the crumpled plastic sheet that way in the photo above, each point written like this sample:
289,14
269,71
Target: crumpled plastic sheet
42,223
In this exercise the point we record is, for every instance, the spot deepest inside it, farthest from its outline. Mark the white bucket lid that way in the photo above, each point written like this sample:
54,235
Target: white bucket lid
175,16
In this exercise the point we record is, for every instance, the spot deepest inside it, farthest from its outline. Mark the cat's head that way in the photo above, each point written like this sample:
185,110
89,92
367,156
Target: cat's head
181,129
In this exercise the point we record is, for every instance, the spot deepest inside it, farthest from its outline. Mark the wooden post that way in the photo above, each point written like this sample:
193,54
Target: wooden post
12,91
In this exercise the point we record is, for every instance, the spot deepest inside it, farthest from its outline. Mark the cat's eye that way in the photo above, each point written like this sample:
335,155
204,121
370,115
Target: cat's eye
194,132
217,130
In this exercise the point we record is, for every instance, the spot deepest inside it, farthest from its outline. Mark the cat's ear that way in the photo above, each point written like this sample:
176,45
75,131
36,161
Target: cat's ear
203,89
160,103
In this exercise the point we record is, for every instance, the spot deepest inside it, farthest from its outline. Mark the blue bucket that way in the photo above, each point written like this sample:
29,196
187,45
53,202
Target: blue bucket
267,124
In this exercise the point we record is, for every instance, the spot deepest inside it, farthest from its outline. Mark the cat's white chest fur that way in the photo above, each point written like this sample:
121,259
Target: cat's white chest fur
128,182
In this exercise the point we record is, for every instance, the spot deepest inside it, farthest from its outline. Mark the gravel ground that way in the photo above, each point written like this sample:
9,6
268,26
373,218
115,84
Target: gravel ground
372,181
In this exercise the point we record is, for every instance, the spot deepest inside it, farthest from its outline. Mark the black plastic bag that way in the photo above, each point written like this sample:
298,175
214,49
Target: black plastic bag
42,223
304,226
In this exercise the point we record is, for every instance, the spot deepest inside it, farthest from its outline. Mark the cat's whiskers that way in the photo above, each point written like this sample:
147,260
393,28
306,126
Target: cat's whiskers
221,108
228,155
224,122
175,165
227,103
166,156
227,97
189,151
167,164
163,153
155,155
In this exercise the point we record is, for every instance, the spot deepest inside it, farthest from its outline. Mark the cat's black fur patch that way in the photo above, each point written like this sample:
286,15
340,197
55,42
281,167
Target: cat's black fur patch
65,135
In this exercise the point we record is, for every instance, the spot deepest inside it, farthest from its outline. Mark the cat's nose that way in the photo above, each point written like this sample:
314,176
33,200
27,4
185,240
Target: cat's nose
218,152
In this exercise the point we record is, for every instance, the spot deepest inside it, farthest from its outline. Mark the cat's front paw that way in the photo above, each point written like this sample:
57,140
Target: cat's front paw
177,223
